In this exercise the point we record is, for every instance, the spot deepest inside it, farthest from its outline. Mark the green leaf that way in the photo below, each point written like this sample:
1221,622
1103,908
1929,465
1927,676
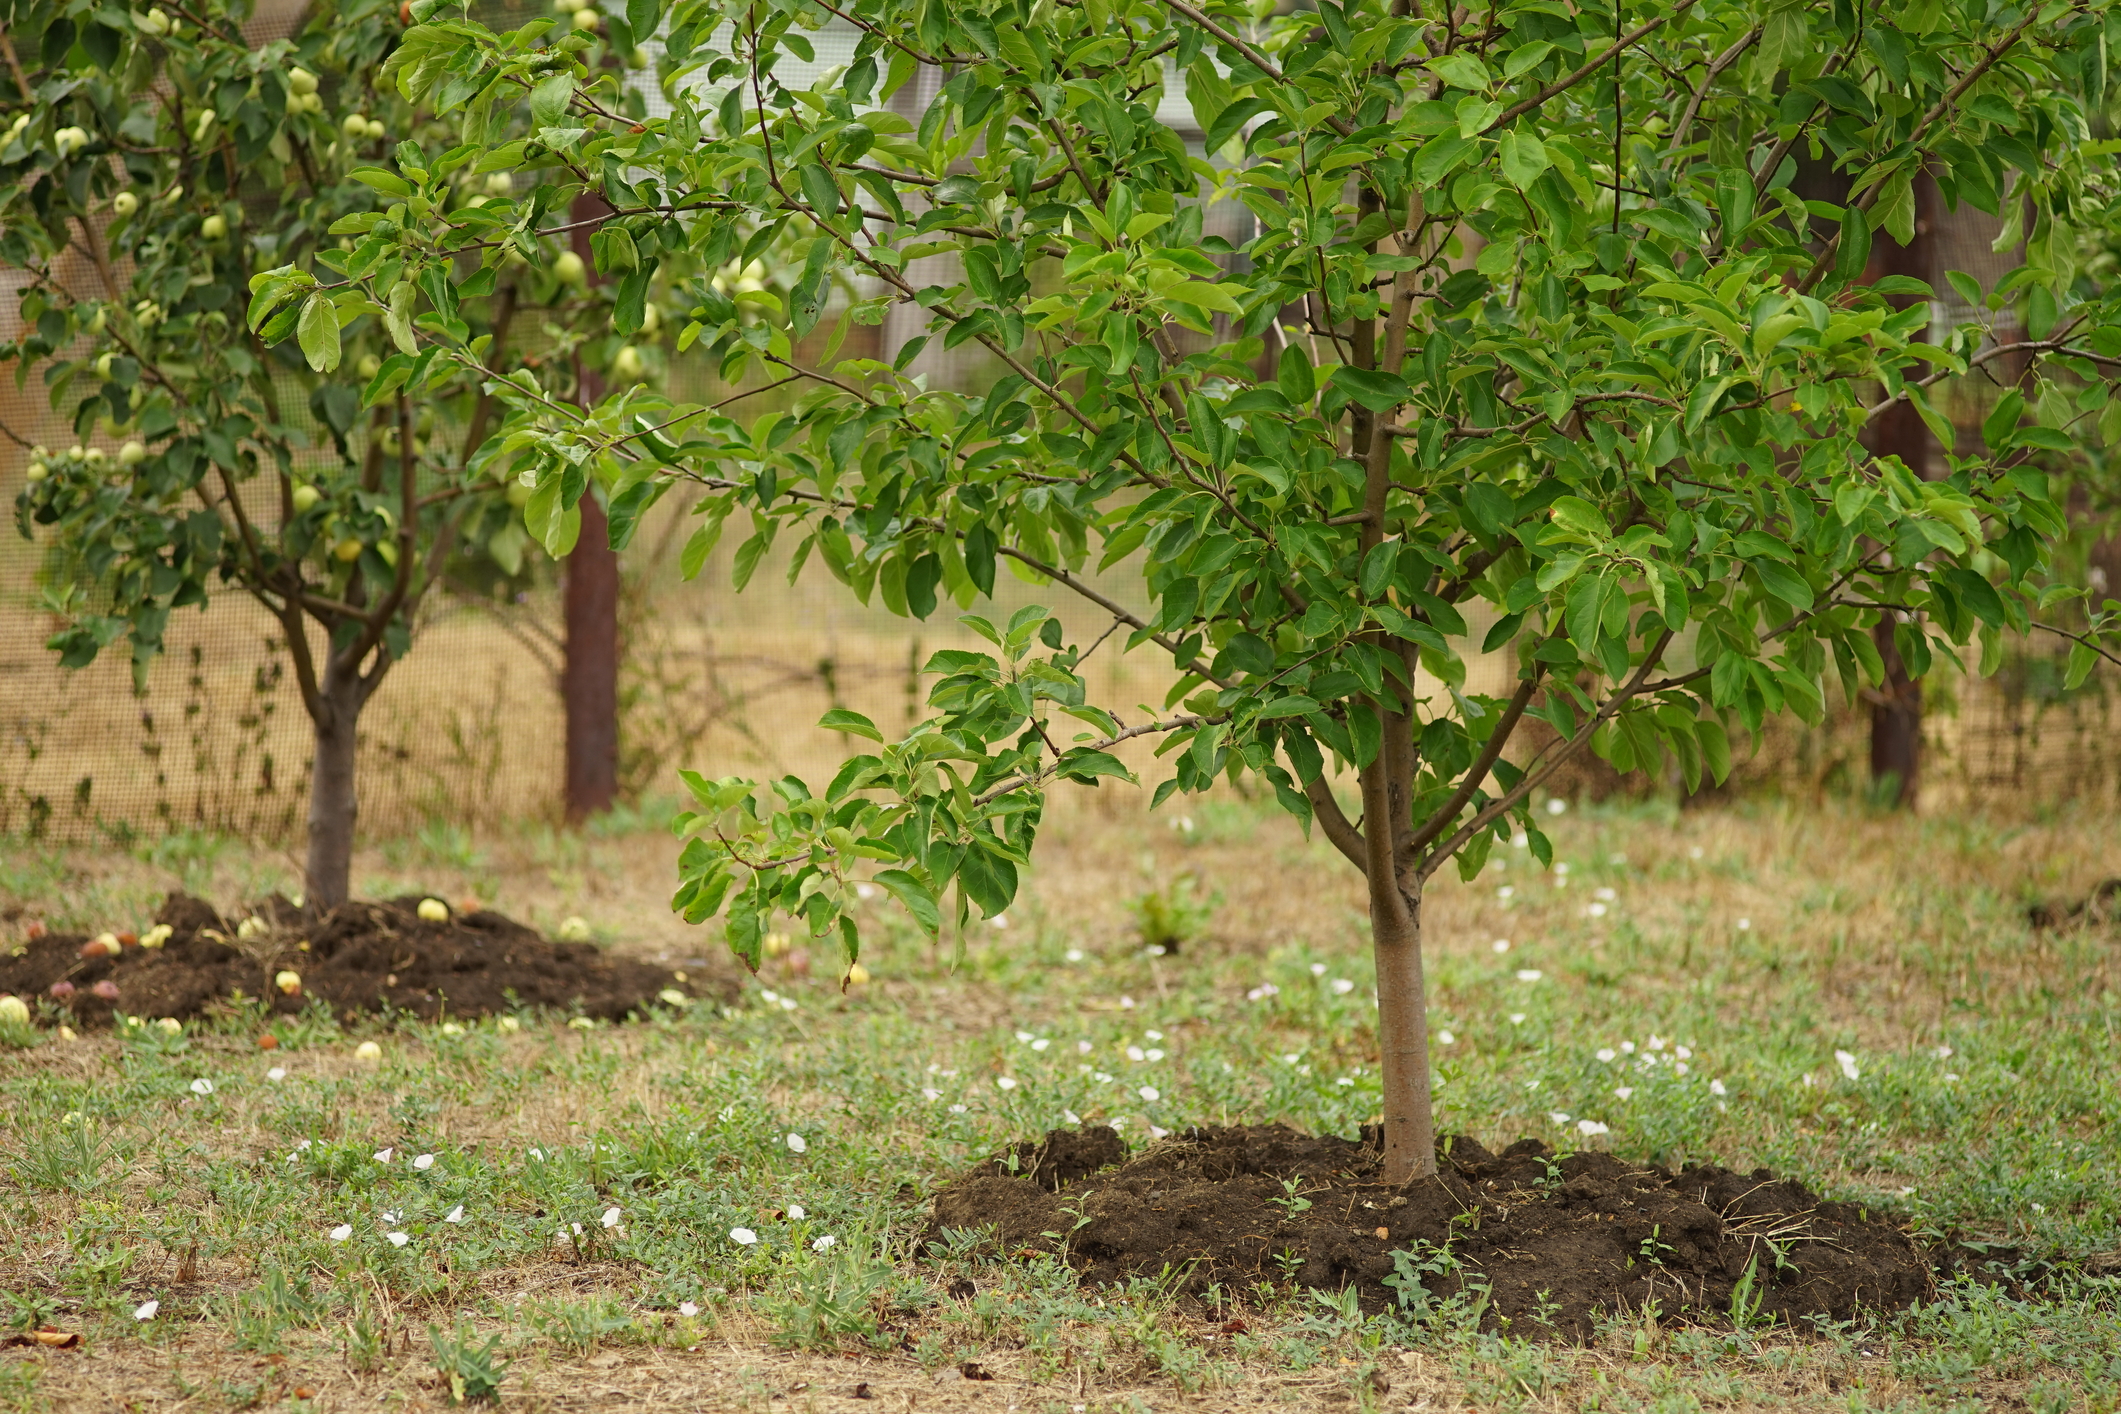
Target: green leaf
1461,70
1379,392
549,100
389,183
841,719
319,333
1297,382
1524,157
915,895
1999,428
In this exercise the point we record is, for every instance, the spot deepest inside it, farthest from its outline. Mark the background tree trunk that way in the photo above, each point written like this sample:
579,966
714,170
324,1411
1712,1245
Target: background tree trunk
333,801
589,687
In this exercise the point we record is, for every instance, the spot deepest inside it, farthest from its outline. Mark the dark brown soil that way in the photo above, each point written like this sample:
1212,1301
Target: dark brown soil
363,957
1553,1240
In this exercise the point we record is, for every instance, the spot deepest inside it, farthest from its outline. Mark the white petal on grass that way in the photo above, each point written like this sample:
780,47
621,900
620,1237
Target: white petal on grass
1624,1091
1950,1078
1504,893
1627,1048
611,1217
931,1096
1136,1054
1073,954
1529,974
1004,1082
1445,1038
1596,910
1517,1018
1318,969
957,1109
1040,1044
743,1236
797,1144
1604,895
382,1156
1607,1053
424,1162
825,1243
1071,1117
1149,1092
342,1232
1682,1052
688,1309
1126,1003
1557,1116
1591,1128
1501,945
1716,1088
798,1212
1023,1035
145,1311
1154,1035
1942,1053
1084,1048
277,1073
1847,1063
1744,924
398,1239
455,1215
1154,1053
1263,991
202,1086
1342,986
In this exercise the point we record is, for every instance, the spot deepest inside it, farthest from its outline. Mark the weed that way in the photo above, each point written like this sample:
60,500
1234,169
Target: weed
1166,918
469,1368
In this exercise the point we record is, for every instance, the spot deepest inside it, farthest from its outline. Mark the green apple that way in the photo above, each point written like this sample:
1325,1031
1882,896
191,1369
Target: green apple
587,19
570,269
305,497
629,364
103,364
369,366
347,550
124,204
214,227
132,453
354,125
500,184
35,472
301,81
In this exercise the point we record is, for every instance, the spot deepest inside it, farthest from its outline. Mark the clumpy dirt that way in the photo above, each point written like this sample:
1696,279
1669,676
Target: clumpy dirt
1554,1240
361,957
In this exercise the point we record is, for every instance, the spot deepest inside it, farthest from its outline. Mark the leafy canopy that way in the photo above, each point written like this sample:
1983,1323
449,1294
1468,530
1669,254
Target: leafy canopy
1448,333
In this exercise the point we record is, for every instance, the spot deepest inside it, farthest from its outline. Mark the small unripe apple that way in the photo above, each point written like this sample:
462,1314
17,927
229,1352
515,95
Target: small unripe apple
369,366
586,19
132,453
203,125
651,319
518,494
347,550
175,193
433,910
289,983
500,184
640,58
306,496
857,975
354,125
214,227
301,81
103,364
155,21
92,455
124,204
375,128
569,268
628,364
68,141
368,1054
13,1010
36,471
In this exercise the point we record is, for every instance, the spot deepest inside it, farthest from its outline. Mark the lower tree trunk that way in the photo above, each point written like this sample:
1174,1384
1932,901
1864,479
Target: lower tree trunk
590,683
333,804
1896,725
1403,1030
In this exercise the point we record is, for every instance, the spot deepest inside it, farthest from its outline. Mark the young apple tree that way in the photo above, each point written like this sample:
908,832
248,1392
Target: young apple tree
159,162
1459,332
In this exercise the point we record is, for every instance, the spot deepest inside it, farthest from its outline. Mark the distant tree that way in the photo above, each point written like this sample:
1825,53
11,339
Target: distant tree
1527,323
160,163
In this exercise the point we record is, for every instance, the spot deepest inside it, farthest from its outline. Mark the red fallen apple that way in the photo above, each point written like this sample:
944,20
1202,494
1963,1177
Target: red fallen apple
62,989
798,963
93,948
106,989
35,930
268,1042
128,940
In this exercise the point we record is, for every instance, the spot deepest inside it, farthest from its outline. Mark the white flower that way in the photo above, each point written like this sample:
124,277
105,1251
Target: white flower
1126,1003
202,1086
1557,806
1154,1035
278,1072
1506,892
1942,1053
145,1311
1624,1091
1291,1059
1596,910
1023,1035
1695,852
1682,1052
1680,1068
424,1162
1318,969
342,1232
382,1156
1744,924
1501,945
611,1218
455,1215
1627,1048
1073,954
1342,986
1344,1080
1263,991
1083,1048
825,1243
1606,1053
1040,1044
393,1218
797,1211
1656,1042
1847,1063
1149,1092
1604,895
1004,1082
957,1109
1589,1128
1445,1038
1000,920
743,1236
1557,1116
1516,1018
1154,1053
1101,1077
931,1096
1137,1054
398,1239
1529,974
688,1309
1949,1076
797,1144
1716,1088
865,891
538,1154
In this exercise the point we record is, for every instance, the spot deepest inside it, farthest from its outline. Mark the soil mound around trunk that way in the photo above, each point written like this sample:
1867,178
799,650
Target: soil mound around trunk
361,957
1552,1240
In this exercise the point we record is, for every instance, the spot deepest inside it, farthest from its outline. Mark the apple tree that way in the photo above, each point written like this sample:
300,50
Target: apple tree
1452,333
153,163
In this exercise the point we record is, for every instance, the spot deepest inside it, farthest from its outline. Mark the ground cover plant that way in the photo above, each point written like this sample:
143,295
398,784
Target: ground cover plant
1522,324
720,1205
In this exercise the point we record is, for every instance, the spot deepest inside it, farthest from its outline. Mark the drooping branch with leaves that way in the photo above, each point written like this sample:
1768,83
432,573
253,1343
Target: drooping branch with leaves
1446,333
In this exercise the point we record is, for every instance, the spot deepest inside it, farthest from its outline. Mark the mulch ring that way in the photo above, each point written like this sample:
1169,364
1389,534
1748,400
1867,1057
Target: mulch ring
1554,1240
361,957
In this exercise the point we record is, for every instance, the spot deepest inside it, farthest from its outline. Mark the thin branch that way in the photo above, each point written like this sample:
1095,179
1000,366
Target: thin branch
1590,66
1723,61
1490,753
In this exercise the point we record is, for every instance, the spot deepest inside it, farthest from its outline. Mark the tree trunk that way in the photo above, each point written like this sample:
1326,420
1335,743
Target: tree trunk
590,684
333,804
1403,1033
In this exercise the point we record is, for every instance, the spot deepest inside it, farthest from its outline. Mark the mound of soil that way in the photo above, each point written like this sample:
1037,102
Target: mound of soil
1553,1240
361,957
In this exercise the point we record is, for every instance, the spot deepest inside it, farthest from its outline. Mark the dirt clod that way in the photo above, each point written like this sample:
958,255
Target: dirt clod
362,957
1555,1240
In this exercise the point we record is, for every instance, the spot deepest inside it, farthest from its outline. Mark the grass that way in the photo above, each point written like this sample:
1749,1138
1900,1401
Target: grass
603,1180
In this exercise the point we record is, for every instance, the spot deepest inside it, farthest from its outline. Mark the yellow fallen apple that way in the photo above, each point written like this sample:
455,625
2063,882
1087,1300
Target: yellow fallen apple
671,996
252,927
573,929
433,910
170,1026
368,1053
857,975
156,936
13,1011
507,1025
289,982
